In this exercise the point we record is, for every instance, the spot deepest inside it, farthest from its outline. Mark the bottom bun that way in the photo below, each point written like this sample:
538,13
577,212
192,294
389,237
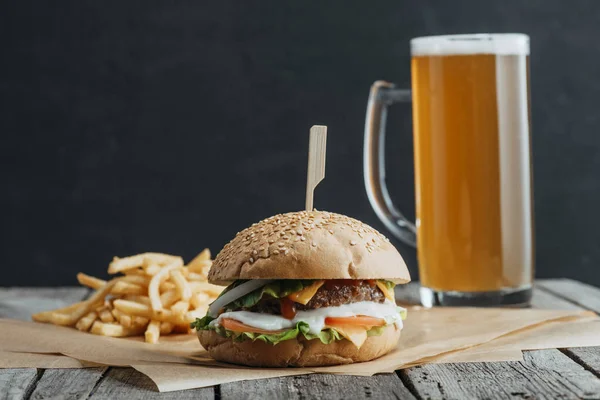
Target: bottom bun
298,352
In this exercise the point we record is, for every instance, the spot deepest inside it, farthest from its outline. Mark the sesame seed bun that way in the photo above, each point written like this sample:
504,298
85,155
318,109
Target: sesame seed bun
298,352
308,245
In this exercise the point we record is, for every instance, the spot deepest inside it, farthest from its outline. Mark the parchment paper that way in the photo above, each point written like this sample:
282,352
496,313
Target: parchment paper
429,335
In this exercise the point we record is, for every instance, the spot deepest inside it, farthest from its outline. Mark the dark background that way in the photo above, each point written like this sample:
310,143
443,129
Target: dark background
169,126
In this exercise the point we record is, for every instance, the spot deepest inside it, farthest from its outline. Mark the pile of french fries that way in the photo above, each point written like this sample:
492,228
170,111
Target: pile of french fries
155,295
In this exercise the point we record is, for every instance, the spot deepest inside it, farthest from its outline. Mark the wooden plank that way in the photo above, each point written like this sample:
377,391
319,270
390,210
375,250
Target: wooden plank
548,300
582,294
71,383
319,386
20,303
588,357
17,383
545,374
129,384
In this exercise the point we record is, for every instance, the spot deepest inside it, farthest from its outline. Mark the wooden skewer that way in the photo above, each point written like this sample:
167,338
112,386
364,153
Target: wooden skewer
316,162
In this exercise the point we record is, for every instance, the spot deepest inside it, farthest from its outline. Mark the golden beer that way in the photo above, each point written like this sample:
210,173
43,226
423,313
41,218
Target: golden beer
472,161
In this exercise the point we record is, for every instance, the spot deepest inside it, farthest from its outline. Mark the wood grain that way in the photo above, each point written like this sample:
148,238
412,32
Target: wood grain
545,374
20,303
70,383
588,357
579,293
544,299
317,147
319,386
16,384
129,384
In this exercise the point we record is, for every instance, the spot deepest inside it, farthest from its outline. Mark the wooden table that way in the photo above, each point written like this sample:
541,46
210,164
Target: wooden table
545,374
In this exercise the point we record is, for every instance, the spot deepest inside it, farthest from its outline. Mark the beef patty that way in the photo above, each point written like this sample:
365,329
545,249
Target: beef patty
333,293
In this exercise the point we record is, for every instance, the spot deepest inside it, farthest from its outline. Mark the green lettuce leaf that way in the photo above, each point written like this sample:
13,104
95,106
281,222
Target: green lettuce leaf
201,324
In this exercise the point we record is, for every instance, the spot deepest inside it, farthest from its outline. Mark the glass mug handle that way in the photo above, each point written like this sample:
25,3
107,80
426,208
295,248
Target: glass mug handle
382,95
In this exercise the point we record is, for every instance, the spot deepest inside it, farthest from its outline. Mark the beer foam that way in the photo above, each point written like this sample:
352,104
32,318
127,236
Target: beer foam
481,43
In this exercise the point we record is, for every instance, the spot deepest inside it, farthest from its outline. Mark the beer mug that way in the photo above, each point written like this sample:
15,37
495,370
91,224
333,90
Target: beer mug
471,124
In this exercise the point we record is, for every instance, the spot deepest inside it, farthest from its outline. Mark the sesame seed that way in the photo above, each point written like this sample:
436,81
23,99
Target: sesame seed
275,252
313,244
251,260
254,252
331,231
303,238
352,243
286,251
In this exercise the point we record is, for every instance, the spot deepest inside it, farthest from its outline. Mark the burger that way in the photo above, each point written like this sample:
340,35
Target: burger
308,288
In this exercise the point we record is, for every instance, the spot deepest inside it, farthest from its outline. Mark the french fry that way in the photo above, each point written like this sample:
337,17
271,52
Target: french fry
122,287
199,300
114,330
141,280
117,314
126,320
152,332
200,267
183,287
137,298
206,287
46,316
198,262
169,298
141,310
133,308
166,286
156,295
90,281
152,269
161,276
194,276
127,263
166,328
140,321
180,308
71,318
106,316
86,322
134,272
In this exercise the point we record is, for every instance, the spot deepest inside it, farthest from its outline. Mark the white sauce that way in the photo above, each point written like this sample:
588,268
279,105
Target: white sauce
316,318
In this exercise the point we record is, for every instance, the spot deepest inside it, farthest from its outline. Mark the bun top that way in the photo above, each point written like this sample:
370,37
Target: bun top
308,245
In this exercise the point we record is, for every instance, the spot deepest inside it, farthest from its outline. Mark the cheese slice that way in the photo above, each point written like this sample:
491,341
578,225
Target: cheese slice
356,334
304,296
388,293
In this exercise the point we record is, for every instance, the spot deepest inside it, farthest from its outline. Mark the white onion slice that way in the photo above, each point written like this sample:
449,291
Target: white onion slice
235,294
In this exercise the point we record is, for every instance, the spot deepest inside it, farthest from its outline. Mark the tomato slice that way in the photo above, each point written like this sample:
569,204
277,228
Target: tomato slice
357,320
